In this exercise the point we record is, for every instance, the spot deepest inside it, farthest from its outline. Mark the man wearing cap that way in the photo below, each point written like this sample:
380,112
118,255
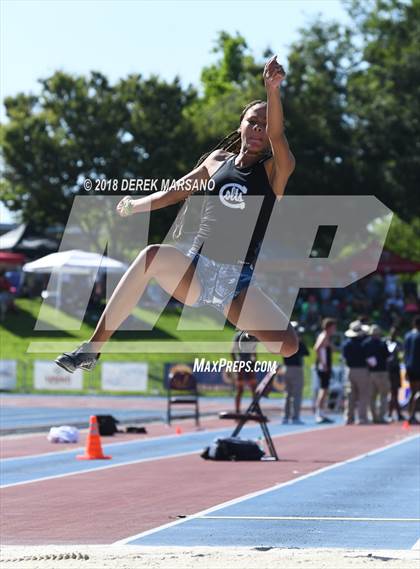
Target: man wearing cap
377,355
294,379
360,385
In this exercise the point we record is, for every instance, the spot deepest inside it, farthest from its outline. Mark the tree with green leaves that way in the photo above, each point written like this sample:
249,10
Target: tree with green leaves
351,108
315,101
383,102
84,127
227,87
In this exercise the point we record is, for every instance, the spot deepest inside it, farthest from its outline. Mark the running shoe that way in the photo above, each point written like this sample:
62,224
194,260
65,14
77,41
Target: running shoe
323,420
244,337
285,421
80,358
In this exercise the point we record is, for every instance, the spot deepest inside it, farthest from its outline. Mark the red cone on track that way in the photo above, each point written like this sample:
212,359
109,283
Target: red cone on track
178,431
93,450
406,425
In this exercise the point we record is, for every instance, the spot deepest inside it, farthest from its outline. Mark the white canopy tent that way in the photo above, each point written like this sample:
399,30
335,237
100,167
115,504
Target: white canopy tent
73,262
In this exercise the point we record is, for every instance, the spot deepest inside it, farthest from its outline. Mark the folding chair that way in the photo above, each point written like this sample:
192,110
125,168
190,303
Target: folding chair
185,385
254,413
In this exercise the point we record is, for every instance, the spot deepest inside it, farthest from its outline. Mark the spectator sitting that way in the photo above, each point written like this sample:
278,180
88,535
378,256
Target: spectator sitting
411,305
313,317
395,303
391,284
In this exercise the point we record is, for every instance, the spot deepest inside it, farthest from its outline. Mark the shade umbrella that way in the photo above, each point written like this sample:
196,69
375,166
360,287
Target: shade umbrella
11,260
73,262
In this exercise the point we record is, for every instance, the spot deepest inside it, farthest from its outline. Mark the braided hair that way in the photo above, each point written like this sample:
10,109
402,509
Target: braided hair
230,143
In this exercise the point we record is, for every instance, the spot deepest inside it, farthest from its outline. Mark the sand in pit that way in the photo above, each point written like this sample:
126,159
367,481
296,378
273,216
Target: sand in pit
138,557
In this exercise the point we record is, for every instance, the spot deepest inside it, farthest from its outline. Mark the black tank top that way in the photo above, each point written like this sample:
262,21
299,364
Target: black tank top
237,208
328,359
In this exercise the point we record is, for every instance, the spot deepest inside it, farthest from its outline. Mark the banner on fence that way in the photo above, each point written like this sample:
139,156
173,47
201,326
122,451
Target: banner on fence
124,376
8,375
47,375
208,380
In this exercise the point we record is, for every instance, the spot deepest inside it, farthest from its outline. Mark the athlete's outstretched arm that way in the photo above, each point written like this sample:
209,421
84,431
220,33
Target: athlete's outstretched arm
128,206
284,161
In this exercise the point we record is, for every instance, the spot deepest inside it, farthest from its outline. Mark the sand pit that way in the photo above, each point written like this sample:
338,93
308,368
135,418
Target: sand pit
137,557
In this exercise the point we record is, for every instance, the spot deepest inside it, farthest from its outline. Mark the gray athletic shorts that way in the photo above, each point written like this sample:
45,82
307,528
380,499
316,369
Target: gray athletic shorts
220,283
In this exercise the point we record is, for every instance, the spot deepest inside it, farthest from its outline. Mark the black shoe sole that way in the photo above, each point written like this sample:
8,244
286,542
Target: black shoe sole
61,361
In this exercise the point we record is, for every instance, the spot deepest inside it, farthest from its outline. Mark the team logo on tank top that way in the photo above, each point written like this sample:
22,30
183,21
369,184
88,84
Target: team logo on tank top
231,195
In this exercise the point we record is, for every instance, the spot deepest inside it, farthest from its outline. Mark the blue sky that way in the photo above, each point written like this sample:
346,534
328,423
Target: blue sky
165,37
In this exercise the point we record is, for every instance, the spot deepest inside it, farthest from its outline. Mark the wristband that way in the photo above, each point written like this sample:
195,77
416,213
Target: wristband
128,207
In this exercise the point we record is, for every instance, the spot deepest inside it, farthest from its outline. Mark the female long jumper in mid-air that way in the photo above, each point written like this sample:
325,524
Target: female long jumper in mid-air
256,157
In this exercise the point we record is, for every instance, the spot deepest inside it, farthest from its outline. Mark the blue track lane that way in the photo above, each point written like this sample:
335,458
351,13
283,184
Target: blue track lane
17,470
35,417
382,485
39,416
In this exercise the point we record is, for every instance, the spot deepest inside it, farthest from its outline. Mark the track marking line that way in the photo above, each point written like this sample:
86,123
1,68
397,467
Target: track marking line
12,436
130,462
162,438
235,501
307,518
85,431
96,469
116,444
416,545
105,444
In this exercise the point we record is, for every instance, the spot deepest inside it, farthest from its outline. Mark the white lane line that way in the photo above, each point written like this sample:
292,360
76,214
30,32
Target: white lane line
117,443
128,463
262,492
416,545
308,518
43,434
107,445
96,469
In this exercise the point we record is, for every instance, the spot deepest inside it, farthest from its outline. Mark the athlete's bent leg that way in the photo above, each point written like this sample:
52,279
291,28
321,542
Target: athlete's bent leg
172,270
264,320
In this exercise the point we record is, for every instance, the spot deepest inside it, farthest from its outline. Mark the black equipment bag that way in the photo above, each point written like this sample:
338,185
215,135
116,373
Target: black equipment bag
107,425
233,448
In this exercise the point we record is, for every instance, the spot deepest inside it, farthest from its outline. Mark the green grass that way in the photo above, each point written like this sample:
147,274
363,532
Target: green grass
17,332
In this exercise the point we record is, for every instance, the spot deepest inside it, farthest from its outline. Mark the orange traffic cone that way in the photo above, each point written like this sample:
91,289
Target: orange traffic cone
406,425
178,431
93,448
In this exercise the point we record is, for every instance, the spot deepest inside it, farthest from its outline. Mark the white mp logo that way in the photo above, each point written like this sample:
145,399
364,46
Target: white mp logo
231,195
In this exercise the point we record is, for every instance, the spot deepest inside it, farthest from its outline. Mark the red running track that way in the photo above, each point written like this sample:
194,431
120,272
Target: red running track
109,505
